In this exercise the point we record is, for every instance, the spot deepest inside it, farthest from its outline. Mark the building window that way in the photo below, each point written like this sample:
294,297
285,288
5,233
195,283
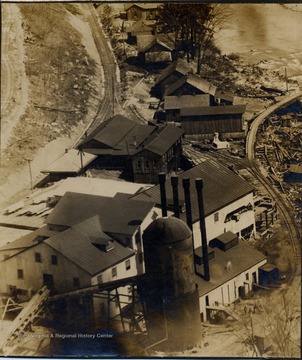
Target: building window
100,279
216,217
128,265
147,164
247,276
38,257
114,272
154,165
76,282
20,274
54,260
139,164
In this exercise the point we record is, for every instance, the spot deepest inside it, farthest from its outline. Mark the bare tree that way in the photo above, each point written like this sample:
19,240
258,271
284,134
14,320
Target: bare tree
191,27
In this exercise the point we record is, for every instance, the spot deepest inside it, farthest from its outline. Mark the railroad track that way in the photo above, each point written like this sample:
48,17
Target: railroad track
285,207
286,211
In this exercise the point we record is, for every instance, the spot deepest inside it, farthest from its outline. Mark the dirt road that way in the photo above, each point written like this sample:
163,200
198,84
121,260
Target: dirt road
14,84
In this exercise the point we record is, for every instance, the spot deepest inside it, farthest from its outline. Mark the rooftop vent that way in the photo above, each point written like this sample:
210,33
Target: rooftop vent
103,244
225,241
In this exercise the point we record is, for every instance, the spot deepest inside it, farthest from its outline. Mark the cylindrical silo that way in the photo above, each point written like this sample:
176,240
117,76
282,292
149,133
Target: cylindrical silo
170,290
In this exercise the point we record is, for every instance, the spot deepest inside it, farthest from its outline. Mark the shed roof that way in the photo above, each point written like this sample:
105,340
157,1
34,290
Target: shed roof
69,162
23,242
213,110
75,244
220,187
179,102
239,258
224,96
119,216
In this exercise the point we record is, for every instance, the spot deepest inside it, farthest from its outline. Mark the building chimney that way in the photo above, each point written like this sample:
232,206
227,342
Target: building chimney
174,183
199,186
163,198
186,186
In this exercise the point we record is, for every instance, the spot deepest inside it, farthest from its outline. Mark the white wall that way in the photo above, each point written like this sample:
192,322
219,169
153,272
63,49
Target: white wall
228,293
63,273
215,229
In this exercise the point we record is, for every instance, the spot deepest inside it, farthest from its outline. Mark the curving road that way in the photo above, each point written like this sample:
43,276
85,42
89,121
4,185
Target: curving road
251,136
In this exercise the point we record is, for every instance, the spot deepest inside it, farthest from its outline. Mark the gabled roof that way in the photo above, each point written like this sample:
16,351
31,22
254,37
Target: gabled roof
193,80
180,66
118,135
221,187
213,110
69,162
179,102
163,139
76,244
116,215
144,6
111,131
161,45
23,242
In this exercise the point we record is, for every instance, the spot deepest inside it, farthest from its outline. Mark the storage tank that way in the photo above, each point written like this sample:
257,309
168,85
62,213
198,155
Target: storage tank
170,291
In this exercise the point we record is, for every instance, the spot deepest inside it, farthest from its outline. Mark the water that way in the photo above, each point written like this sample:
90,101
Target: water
260,32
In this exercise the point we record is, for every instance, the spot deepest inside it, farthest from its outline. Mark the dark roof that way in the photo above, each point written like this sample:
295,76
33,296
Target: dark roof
239,258
116,215
144,6
140,26
178,102
226,237
268,267
128,138
76,244
167,230
180,66
163,139
193,80
163,45
118,135
221,187
213,110
69,162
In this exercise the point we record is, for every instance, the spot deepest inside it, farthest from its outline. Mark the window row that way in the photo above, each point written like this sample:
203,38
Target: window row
48,279
147,163
53,259
127,267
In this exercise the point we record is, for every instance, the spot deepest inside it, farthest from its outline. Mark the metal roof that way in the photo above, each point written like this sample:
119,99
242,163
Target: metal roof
213,110
120,216
221,187
180,66
76,245
239,258
224,96
164,139
70,162
179,102
25,241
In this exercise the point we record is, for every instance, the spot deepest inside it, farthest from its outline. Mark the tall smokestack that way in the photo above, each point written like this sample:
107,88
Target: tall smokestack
163,198
186,185
174,183
199,187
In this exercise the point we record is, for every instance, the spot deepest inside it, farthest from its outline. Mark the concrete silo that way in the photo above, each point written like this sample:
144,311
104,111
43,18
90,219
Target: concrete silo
169,290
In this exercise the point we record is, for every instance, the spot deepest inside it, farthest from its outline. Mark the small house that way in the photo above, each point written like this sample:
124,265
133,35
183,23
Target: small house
142,11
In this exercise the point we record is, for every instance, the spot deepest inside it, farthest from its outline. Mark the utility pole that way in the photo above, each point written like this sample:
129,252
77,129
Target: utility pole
31,177
286,79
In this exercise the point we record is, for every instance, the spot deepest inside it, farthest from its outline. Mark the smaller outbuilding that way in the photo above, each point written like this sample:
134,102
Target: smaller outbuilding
142,11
